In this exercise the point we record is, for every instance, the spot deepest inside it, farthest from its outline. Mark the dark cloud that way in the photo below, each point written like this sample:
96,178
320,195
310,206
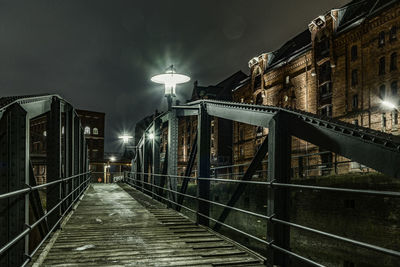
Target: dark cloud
100,54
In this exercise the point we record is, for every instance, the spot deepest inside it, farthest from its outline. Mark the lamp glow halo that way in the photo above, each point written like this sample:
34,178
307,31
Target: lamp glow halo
170,78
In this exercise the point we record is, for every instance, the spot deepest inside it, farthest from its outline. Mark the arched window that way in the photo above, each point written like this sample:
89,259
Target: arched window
393,61
95,131
87,130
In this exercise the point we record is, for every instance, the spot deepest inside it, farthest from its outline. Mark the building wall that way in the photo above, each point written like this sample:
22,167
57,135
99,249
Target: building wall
93,123
38,141
321,80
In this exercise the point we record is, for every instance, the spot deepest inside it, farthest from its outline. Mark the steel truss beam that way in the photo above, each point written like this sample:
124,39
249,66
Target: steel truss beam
156,154
339,137
14,175
173,128
53,159
279,163
188,172
253,167
203,165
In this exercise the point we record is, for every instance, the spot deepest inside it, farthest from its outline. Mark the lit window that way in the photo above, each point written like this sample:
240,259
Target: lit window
87,130
381,40
95,131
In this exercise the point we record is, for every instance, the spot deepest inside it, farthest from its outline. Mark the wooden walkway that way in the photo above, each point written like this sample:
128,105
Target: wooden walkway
115,225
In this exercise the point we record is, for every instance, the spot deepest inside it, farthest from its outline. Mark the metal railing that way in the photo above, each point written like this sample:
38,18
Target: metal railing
81,185
135,179
305,170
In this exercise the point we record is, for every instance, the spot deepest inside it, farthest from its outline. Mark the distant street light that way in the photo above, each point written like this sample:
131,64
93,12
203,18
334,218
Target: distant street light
389,104
170,79
125,138
112,159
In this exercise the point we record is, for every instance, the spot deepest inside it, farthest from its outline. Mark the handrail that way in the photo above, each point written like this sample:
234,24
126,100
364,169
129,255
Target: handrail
29,228
270,218
297,186
32,188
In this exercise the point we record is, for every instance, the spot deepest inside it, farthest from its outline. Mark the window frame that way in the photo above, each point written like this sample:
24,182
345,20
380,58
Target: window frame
354,53
382,66
381,39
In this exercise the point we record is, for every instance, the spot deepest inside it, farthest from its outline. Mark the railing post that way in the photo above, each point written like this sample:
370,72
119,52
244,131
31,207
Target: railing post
142,155
54,160
156,155
81,159
76,129
172,155
203,165
145,166
136,175
14,159
69,146
279,145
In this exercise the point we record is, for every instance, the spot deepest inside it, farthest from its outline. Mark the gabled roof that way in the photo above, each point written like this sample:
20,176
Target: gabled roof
357,11
220,91
292,48
350,15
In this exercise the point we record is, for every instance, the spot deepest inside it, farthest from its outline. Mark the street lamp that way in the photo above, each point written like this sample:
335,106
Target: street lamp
389,104
125,138
170,79
112,158
151,136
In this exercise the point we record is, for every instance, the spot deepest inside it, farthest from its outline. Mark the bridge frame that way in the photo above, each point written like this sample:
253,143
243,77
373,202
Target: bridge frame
339,137
67,176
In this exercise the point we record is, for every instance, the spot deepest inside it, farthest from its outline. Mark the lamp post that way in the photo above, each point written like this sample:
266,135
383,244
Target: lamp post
170,79
125,138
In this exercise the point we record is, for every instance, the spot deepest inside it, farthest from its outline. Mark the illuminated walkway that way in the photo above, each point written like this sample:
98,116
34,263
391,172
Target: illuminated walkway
111,228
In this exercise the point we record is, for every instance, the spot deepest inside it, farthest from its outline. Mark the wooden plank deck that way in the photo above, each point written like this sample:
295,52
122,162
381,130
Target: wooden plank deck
111,228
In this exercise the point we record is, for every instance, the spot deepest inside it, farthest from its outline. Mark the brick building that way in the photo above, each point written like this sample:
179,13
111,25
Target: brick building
221,135
343,66
93,124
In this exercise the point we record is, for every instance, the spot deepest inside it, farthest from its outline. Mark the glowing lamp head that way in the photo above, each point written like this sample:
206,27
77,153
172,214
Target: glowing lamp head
112,158
125,138
170,79
388,104
151,136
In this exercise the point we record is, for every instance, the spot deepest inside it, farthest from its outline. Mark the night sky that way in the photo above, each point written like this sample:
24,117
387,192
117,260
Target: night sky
100,55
